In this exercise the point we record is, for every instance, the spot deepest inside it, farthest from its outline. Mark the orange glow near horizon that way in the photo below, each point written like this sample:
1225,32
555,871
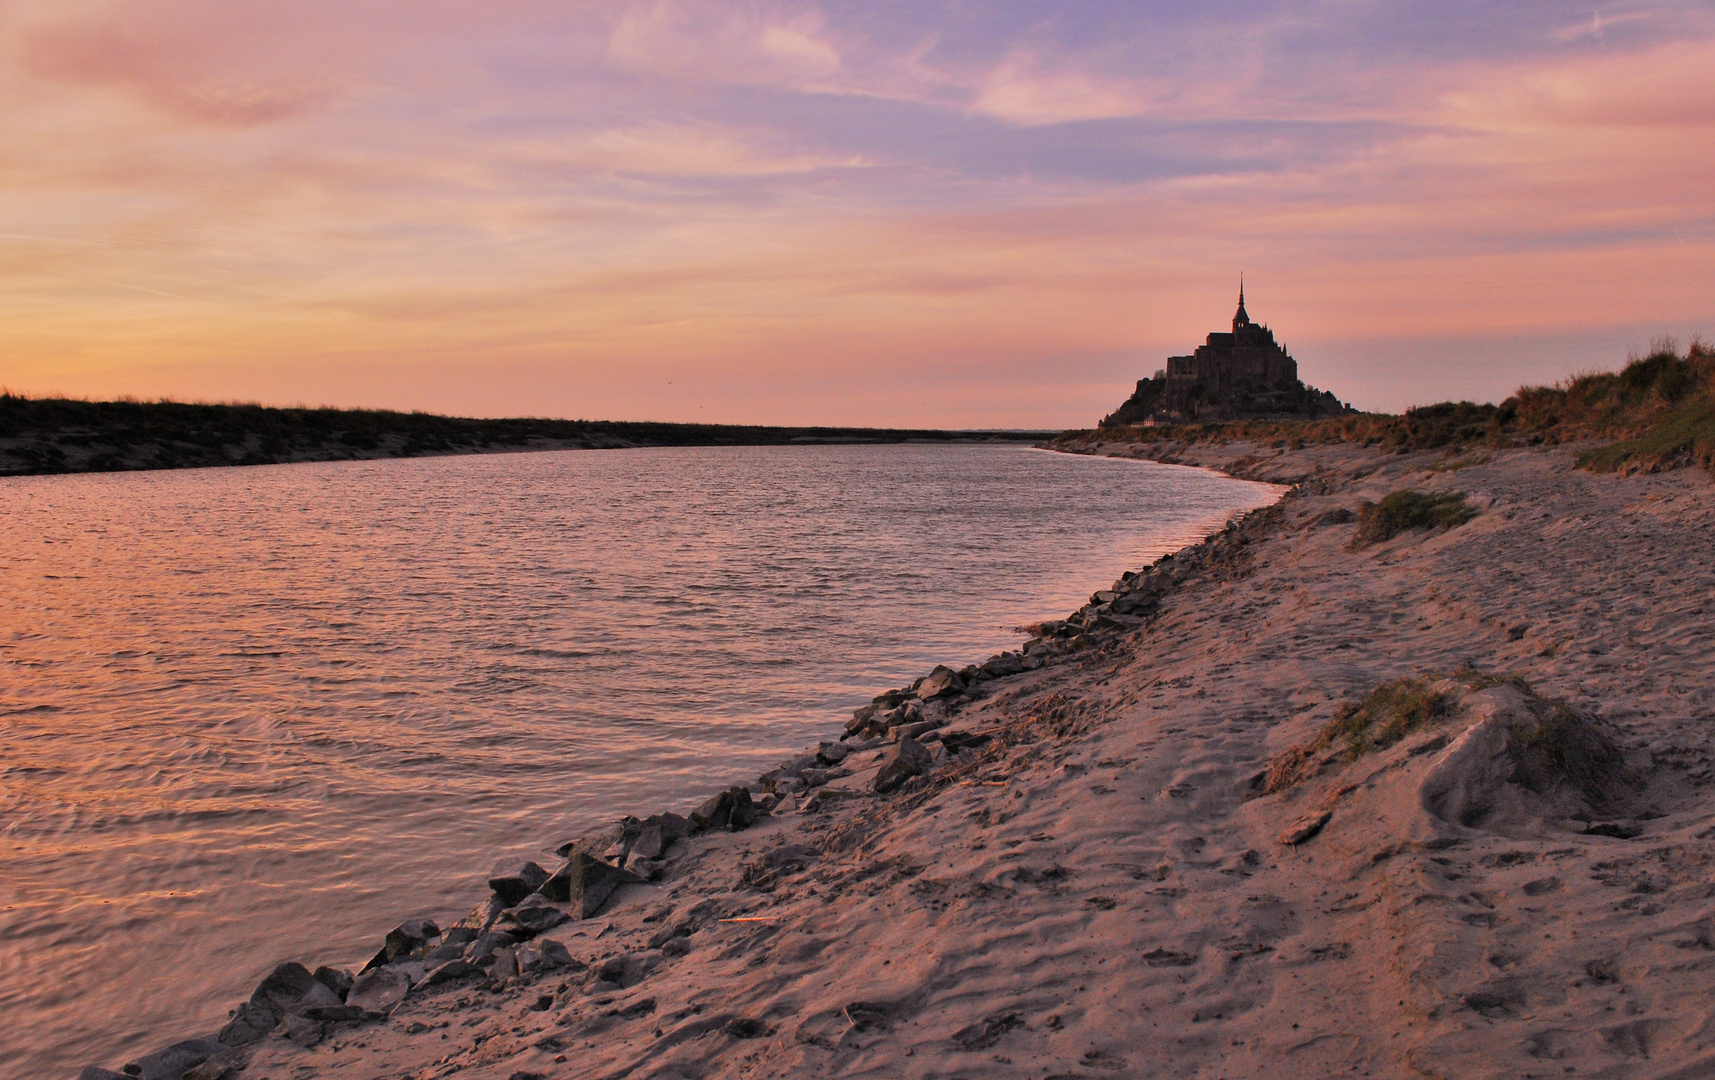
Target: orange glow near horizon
787,213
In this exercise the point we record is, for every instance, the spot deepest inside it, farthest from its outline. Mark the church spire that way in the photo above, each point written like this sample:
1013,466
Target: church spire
1241,318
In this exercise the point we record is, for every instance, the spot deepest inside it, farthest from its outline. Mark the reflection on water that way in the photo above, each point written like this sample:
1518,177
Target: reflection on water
252,714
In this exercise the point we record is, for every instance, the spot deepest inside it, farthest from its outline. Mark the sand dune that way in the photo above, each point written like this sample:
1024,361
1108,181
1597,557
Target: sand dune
1521,886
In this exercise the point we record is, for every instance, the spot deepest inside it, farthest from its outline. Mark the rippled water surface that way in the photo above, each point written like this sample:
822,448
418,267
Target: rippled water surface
253,714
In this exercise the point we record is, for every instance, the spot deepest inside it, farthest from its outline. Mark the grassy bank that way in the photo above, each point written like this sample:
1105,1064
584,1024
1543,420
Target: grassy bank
1658,412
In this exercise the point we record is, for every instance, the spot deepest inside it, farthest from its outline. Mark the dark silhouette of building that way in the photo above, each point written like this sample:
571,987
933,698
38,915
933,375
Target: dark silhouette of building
1243,375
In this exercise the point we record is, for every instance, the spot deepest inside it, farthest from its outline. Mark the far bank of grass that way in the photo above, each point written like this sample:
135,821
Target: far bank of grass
64,435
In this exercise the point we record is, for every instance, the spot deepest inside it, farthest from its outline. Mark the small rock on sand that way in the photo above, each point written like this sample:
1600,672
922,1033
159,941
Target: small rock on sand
908,759
715,813
336,979
174,1061
287,991
1305,827
514,879
449,971
659,832
987,1032
408,937
832,753
943,680
743,814
378,991
586,882
536,914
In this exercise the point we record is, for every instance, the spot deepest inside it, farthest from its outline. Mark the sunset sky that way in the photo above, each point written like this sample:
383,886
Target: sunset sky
954,213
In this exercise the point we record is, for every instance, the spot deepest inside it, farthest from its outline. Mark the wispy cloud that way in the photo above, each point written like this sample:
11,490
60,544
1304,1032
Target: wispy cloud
1030,91
778,200
743,45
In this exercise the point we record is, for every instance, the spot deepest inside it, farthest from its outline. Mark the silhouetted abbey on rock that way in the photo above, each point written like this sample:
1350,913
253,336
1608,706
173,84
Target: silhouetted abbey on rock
1244,375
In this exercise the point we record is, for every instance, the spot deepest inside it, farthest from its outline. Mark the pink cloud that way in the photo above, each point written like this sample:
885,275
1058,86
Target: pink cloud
211,73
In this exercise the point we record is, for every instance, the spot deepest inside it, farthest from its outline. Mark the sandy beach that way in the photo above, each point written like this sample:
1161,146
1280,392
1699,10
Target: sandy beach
1136,850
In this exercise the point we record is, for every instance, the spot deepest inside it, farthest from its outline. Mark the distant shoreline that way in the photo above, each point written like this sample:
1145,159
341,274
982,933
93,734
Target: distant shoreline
53,436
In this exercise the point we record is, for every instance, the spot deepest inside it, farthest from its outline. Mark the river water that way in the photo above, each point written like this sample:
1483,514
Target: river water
256,714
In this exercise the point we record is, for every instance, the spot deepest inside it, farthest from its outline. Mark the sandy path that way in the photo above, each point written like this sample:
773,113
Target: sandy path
1103,893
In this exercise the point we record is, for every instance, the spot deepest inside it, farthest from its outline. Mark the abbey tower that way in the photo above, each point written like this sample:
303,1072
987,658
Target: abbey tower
1241,375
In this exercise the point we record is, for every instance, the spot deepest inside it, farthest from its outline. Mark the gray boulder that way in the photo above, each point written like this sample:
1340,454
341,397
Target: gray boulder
861,719
677,946
172,1062
446,950
303,1031
908,759
448,972
743,812
514,879
587,882
481,951
832,753
715,813
489,911
919,729
658,834
630,969
942,681
1007,663
626,839
250,1023
651,844
336,979
410,936
536,914
378,992
287,991
544,954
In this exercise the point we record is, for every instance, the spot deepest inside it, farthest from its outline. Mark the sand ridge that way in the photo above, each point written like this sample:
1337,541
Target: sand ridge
1102,890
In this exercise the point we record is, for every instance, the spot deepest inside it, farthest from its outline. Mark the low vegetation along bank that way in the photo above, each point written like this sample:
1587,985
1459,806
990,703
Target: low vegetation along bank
1658,412
61,435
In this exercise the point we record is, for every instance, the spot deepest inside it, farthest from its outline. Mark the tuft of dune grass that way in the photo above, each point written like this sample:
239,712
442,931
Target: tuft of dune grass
1404,510
1384,716
1377,721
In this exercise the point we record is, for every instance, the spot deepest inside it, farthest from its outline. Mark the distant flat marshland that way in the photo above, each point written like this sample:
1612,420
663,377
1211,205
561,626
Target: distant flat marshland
63,435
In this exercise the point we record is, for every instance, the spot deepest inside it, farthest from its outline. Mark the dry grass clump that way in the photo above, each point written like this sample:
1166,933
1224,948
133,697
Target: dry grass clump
1404,510
1380,719
1660,407
1386,715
